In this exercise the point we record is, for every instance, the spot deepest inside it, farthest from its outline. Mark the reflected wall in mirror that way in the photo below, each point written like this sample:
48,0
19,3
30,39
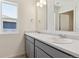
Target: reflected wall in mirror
66,15
41,14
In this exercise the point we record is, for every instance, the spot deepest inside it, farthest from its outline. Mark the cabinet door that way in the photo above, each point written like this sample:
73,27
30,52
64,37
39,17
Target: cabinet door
40,54
56,53
29,49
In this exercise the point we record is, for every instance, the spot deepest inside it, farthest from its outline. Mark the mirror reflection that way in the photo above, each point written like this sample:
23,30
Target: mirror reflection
57,15
41,14
66,21
65,15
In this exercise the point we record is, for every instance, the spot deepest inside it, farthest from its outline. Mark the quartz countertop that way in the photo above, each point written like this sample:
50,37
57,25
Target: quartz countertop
71,48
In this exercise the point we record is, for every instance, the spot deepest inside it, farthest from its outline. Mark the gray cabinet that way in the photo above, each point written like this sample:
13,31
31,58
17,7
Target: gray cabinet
29,47
52,51
39,49
40,54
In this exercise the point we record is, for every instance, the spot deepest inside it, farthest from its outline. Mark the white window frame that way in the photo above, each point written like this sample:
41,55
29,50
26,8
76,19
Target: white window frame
16,20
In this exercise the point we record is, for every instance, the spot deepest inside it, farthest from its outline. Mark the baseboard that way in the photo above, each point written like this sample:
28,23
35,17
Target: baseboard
20,56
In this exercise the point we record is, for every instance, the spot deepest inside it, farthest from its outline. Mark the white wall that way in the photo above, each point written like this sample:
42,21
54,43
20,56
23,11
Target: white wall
28,15
13,44
50,16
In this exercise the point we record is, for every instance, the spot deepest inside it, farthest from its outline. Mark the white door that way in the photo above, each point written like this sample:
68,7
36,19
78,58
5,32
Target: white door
64,22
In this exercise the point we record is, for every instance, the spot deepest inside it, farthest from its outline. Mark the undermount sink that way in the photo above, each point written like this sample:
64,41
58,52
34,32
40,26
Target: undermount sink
48,36
61,40
56,39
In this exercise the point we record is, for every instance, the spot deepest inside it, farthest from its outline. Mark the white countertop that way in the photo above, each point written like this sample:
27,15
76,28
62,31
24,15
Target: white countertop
71,48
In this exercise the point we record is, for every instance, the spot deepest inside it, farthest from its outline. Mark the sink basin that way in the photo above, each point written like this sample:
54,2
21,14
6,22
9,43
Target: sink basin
61,40
48,36
55,39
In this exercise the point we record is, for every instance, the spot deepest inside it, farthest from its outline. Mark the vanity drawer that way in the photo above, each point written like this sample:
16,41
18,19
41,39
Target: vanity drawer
40,54
51,50
29,38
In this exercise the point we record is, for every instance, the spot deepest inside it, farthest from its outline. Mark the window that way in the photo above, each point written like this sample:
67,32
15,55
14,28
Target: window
9,16
9,25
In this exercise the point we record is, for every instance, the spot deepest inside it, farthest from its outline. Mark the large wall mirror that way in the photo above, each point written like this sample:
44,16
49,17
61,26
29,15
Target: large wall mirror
57,15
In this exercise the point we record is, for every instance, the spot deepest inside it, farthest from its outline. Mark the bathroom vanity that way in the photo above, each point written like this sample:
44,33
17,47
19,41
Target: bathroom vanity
39,46
59,16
